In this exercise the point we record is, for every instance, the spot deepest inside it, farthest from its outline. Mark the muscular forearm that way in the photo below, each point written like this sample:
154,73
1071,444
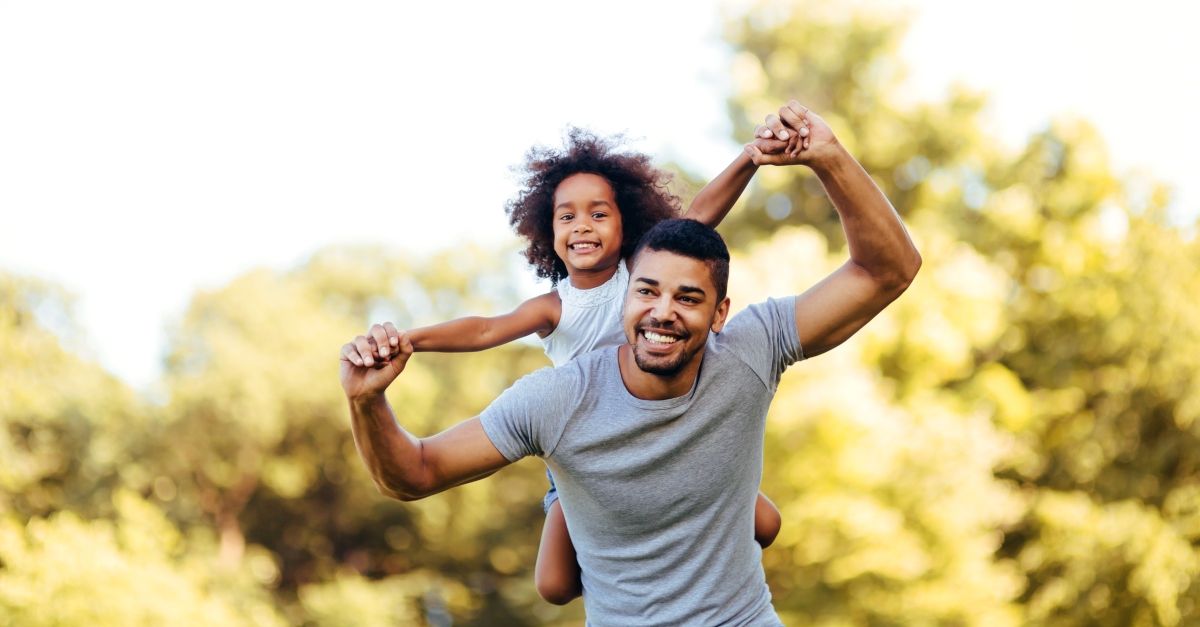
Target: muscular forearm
392,456
876,237
713,202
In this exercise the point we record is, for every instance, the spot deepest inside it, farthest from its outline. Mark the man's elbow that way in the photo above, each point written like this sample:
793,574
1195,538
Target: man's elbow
911,267
406,493
903,274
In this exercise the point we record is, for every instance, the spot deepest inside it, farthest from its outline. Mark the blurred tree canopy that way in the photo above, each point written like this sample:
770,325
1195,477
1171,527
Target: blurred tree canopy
1042,368
1013,442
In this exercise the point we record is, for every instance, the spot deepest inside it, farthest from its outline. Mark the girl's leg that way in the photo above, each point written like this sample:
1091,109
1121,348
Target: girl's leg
557,574
766,522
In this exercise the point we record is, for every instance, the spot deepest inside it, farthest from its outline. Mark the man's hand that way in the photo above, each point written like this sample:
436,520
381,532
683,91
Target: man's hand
371,362
796,136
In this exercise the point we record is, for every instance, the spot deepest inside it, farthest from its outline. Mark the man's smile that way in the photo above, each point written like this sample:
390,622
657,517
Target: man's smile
658,338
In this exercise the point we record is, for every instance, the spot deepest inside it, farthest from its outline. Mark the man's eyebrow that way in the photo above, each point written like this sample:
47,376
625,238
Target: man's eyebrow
683,289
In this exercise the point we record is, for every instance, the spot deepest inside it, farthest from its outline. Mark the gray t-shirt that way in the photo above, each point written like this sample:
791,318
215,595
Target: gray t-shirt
659,495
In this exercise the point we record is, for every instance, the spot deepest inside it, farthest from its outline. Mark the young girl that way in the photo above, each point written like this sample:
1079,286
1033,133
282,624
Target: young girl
582,212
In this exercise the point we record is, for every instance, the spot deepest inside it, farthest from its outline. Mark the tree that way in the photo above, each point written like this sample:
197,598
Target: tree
1044,304
256,440
64,422
76,545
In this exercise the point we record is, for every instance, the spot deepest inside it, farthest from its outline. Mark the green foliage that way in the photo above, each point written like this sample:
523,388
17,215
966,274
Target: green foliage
64,571
1052,304
63,420
270,460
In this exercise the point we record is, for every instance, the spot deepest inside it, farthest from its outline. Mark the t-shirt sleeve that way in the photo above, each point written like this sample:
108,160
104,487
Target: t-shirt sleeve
764,336
529,417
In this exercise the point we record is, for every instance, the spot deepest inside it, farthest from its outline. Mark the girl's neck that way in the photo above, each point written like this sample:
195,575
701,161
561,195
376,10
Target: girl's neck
591,277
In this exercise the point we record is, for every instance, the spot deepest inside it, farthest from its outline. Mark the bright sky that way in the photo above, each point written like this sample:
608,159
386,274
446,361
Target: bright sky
149,149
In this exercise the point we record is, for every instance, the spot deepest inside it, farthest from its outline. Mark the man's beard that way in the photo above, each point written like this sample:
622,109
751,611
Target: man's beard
661,366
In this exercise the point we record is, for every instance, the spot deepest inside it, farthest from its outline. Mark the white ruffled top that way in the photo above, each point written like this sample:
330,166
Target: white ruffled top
590,319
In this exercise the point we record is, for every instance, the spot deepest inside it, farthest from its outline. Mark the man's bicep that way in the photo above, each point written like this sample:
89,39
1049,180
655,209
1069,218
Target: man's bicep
836,308
461,454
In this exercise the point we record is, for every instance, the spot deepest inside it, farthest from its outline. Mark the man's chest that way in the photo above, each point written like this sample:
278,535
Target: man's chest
644,465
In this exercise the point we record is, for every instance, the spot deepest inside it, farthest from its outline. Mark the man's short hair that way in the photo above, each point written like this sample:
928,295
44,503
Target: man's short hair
689,238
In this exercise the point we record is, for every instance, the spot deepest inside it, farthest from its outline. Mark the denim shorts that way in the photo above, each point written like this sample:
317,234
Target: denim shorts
552,495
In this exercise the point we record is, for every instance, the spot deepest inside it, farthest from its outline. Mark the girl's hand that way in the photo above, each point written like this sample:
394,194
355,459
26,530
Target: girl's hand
369,363
808,137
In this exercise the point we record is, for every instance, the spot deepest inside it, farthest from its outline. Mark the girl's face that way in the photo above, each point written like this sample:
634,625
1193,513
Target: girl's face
587,224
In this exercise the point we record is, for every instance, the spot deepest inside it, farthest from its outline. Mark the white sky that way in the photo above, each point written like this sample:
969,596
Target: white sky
149,149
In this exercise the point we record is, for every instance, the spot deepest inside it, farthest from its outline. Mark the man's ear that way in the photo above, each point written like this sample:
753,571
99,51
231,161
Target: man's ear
720,315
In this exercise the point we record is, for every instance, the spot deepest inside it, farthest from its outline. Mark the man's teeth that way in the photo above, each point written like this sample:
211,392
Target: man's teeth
659,339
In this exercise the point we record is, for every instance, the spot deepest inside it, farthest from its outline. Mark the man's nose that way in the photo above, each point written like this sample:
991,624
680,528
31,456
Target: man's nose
663,309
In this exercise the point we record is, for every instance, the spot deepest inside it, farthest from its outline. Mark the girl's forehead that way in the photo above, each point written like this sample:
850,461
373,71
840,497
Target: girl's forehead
583,184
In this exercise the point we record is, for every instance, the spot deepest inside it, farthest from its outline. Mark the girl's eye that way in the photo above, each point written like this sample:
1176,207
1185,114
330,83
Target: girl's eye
566,216
599,215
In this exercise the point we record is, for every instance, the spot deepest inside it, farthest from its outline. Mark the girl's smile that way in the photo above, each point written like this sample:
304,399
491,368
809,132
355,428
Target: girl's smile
587,229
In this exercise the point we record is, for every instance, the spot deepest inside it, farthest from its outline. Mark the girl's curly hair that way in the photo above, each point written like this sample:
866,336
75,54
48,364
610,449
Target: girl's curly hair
640,190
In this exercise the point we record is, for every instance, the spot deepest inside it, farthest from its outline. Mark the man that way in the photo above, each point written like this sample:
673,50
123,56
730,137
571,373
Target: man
656,445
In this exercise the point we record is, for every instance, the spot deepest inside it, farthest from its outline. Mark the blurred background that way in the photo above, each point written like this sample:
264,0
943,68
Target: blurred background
200,203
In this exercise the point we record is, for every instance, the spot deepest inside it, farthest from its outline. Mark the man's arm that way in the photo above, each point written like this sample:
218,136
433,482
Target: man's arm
403,466
883,260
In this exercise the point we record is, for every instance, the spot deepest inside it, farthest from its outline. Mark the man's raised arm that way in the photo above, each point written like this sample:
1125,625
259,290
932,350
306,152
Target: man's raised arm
403,466
883,260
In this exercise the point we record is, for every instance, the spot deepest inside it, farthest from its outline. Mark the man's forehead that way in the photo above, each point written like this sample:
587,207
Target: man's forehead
668,269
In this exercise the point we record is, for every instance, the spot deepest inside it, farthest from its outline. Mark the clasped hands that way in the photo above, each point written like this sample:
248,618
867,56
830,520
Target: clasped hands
794,136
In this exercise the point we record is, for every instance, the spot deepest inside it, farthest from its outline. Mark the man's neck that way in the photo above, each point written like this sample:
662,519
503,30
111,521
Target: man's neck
652,387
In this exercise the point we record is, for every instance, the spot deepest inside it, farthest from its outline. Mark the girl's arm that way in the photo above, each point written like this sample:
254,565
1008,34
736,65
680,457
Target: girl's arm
713,202
536,315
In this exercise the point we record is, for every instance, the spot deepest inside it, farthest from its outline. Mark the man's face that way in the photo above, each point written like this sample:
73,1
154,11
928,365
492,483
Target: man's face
669,310
587,224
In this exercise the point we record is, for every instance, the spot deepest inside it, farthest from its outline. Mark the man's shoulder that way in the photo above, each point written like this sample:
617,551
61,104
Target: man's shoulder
529,417
762,336
579,371
592,361
758,321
